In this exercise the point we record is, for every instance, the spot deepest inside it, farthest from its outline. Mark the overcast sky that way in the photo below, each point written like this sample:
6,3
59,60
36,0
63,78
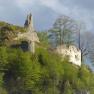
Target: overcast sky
46,11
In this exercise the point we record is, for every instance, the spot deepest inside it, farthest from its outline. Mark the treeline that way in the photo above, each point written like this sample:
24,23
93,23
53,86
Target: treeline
41,73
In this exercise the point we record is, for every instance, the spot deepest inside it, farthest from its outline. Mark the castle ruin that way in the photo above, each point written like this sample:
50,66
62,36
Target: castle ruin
30,36
73,53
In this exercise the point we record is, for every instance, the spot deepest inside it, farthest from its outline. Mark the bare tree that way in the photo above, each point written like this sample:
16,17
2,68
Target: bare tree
63,29
89,36
68,31
82,41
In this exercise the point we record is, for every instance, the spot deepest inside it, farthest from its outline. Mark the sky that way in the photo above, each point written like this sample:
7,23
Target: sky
45,12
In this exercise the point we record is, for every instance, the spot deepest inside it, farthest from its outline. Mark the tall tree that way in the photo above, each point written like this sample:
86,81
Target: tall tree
82,40
62,31
89,36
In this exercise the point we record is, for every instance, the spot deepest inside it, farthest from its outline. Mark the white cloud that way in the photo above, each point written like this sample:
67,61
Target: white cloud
69,8
76,9
24,3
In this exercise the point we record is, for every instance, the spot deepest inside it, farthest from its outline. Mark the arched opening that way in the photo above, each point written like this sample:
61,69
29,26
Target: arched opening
22,45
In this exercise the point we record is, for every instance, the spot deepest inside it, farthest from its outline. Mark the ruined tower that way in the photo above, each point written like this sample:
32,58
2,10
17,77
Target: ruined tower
29,23
30,36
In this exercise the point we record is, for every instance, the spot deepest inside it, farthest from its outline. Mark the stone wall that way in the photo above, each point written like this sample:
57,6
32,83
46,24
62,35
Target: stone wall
72,52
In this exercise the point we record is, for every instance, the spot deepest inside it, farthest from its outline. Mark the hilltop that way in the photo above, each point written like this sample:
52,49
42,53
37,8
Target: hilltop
42,72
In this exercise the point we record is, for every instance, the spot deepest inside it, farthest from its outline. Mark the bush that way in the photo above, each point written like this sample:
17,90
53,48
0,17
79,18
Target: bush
40,73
